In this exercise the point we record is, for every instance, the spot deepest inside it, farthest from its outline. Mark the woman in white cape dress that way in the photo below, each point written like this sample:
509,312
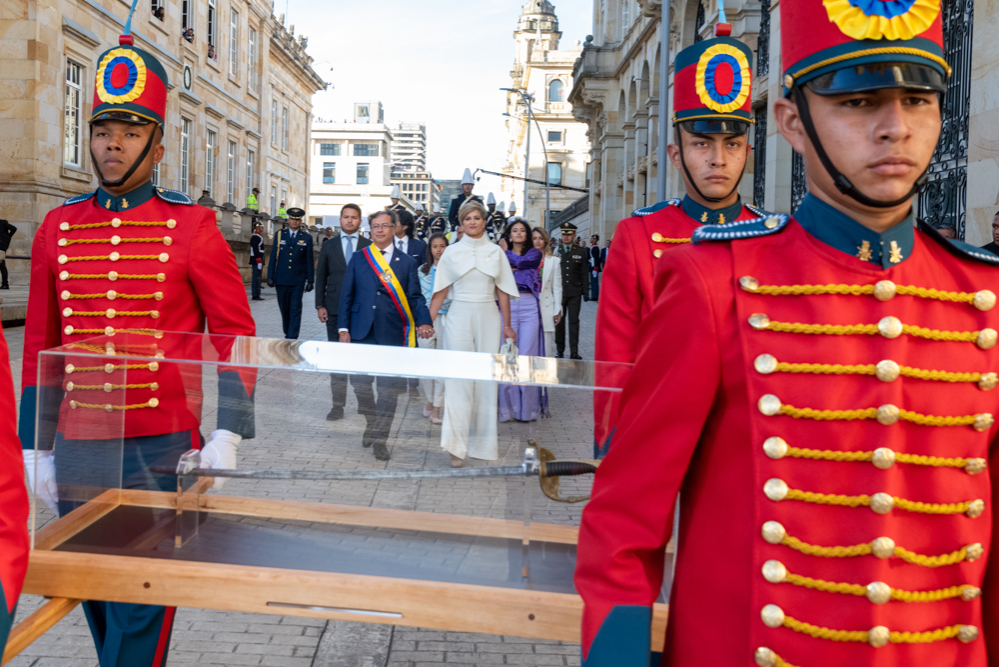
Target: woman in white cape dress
475,274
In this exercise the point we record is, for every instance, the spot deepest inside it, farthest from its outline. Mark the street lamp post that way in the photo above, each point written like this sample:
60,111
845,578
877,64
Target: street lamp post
530,114
662,170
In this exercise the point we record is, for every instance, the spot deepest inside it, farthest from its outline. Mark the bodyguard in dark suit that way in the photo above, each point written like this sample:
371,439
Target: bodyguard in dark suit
333,259
596,266
291,270
575,283
256,260
7,232
413,247
381,303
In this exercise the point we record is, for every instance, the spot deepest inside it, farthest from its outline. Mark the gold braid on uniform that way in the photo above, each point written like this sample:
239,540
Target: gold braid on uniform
115,240
889,327
117,276
886,414
881,547
885,370
777,448
877,592
878,636
66,227
881,503
110,368
883,290
108,407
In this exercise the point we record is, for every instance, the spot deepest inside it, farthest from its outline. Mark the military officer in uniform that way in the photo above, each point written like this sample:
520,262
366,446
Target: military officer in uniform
394,198
422,223
438,223
118,267
711,151
291,269
512,213
822,389
496,222
467,183
575,263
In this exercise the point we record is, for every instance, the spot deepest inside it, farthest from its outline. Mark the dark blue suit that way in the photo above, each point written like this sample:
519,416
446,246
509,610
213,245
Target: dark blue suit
370,315
417,249
290,269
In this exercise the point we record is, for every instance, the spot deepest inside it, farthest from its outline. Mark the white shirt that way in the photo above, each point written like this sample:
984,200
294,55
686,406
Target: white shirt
403,243
387,254
353,240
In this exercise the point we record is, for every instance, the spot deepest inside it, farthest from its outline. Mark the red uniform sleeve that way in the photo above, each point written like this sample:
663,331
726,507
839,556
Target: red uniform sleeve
41,332
13,494
219,286
618,314
665,404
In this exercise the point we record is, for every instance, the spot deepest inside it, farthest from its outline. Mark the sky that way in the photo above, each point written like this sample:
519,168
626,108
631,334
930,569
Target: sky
440,62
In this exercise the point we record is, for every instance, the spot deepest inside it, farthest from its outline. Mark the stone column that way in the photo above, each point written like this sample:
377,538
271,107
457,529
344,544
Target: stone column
778,181
628,171
612,169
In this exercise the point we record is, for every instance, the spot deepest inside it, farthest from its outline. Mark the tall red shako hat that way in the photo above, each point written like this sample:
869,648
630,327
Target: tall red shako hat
836,47
131,84
131,87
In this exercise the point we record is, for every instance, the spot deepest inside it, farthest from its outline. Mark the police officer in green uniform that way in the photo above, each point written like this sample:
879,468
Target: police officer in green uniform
251,200
575,283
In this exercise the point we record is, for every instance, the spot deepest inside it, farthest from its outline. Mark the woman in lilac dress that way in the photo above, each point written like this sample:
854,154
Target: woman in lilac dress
524,403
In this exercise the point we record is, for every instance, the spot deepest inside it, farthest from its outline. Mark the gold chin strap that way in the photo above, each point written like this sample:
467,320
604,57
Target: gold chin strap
550,479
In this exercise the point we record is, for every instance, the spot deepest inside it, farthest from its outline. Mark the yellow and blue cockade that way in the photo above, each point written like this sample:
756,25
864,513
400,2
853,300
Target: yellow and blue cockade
878,19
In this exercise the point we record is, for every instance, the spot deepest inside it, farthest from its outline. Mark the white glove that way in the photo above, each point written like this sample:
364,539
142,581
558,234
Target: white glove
40,466
220,452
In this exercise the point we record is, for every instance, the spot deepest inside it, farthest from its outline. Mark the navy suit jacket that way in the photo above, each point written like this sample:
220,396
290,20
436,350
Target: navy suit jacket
291,263
417,249
367,309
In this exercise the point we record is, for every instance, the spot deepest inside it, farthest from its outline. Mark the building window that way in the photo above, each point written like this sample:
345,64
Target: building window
555,91
273,200
284,197
554,173
74,99
366,150
251,65
329,149
230,187
212,25
156,174
554,136
251,170
185,14
699,22
185,157
210,142
284,128
233,43
329,172
274,121
362,174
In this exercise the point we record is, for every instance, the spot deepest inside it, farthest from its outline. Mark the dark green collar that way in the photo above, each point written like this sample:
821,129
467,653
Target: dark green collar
128,201
711,216
847,235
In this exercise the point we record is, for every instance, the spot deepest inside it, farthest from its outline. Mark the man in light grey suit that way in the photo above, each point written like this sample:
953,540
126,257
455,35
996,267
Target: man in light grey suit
333,259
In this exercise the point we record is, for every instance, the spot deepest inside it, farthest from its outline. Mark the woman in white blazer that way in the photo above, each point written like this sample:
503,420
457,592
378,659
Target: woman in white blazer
551,289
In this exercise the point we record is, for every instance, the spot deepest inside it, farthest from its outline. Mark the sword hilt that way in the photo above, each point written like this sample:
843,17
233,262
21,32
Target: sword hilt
566,468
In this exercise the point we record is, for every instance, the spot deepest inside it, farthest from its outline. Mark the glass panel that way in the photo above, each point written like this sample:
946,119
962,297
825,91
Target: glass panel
345,463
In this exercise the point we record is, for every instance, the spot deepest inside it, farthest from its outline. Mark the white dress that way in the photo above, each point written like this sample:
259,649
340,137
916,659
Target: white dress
473,269
551,300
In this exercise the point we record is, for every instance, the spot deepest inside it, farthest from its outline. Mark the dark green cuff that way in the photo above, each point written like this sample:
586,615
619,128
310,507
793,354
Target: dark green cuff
623,640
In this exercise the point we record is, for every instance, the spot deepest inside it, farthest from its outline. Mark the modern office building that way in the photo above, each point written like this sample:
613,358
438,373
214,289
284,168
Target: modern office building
409,147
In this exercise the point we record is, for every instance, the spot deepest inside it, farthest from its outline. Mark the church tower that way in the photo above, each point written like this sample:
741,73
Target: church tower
537,31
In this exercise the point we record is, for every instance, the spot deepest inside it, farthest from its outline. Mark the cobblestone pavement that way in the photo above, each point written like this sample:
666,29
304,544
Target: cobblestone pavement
286,440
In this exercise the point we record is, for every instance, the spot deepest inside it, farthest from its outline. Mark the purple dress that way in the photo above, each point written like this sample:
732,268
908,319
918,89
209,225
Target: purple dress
525,403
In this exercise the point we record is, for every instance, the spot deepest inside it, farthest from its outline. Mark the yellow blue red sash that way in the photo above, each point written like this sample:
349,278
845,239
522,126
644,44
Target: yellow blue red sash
387,277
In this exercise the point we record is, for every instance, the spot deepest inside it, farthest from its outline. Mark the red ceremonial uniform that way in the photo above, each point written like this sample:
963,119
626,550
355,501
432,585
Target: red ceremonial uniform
627,286
828,425
162,266
13,497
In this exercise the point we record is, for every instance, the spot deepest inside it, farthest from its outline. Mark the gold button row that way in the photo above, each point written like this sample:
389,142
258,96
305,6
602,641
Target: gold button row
116,240
884,458
108,387
110,368
112,276
777,490
884,290
111,295
890,327
115,256
110,313
152,402
887,414
116,222
885,370
878,636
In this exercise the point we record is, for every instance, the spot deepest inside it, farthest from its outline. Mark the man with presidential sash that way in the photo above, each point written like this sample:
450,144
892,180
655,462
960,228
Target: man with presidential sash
381,303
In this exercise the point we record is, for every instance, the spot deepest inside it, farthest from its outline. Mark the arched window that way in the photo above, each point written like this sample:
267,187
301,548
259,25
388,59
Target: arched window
555,91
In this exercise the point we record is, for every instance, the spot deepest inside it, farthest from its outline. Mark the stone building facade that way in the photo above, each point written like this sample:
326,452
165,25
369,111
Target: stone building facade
616,91
543,71
238,106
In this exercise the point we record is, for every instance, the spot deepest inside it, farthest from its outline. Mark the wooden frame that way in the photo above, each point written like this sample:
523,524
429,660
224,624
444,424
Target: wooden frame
73,576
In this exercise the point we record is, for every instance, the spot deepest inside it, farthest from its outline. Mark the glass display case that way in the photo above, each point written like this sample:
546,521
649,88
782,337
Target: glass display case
333,490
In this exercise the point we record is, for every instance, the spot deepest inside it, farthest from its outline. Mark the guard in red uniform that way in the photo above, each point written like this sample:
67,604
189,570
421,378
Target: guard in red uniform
821,392
111,270
711,119
13,503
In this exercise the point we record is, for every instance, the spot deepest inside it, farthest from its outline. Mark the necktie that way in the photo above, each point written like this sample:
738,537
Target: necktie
349,250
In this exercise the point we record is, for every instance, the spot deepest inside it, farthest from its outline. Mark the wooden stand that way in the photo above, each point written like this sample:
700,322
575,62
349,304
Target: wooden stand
72,576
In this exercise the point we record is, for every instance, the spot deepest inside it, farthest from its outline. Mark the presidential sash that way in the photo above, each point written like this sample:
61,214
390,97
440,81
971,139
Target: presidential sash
391,284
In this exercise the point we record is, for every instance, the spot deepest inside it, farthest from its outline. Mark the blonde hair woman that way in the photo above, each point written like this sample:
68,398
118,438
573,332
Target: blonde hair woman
551,288
475,274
